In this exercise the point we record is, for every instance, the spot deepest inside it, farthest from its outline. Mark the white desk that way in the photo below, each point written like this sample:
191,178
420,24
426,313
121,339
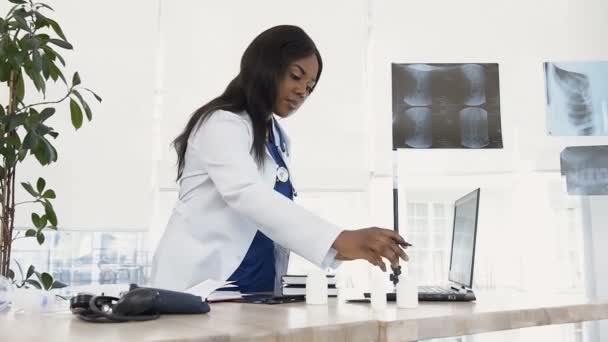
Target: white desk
301,322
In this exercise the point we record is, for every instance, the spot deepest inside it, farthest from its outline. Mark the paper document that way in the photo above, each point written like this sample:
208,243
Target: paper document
208,290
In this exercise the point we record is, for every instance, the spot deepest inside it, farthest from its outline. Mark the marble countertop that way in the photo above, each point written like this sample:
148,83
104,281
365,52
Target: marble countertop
336,321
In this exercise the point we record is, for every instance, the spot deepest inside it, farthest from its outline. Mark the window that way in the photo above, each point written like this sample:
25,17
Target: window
79,258
428,223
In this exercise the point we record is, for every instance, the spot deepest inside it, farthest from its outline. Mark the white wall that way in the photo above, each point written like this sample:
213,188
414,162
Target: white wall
103,177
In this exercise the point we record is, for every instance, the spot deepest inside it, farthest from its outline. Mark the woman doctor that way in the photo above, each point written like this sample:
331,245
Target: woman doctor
234,218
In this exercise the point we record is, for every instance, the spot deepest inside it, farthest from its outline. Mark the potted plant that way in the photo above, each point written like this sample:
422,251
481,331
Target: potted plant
29,63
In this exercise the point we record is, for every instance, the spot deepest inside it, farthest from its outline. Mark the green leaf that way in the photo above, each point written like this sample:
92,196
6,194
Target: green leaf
11,274
46,113
31,141
61,43
8,14
50,213
87,109
2,112
22,23
37,61
49,194
4,71
28,187
41,155
30,271
38,5
43,38
37,79
43,129
20,88
61,60
46,153
92,92
13,140
60,74
31,232
20,269
40,184
57,285
53,72
21,155
37,221
40,21
40,238
57,29
30,43
46,70
76,114
16,120
75,79
19,2
47,280
34,283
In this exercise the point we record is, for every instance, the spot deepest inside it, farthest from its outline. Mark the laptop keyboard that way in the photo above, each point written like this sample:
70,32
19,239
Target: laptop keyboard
435,289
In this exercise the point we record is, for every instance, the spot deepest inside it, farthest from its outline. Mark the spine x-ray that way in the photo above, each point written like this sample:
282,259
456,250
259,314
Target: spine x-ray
585,169
446,106
577,98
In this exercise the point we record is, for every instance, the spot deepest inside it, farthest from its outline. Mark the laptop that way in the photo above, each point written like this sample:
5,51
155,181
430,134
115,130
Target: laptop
462,255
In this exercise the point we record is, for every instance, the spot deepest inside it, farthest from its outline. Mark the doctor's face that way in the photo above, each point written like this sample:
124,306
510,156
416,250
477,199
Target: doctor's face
295,85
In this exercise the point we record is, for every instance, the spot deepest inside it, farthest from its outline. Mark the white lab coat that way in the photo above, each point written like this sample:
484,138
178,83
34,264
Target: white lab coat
224,198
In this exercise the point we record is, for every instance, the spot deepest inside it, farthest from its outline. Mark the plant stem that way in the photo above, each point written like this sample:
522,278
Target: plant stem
49,102
8,196
16,204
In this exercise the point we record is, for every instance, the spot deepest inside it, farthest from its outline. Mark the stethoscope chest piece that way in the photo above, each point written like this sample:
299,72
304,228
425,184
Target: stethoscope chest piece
282,174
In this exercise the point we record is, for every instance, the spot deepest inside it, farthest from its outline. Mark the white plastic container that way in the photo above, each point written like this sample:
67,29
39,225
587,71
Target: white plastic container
316,288
378,289
407,290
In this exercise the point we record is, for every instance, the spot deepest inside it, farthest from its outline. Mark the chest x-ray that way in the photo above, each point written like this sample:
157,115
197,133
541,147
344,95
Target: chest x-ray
446,106
585,169
577,98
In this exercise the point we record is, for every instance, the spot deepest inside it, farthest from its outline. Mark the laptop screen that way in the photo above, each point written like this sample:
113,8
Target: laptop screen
463,239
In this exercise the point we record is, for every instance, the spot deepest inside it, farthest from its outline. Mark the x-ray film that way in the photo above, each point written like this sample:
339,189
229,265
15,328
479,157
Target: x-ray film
446,106
577,98
585,169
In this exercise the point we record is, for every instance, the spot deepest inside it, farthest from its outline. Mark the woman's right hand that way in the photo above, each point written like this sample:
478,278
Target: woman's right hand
371,244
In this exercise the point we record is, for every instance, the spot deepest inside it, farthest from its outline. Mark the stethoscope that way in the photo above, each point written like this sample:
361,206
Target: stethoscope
281,145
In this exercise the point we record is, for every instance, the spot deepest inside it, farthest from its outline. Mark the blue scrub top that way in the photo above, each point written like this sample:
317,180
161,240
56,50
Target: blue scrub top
256,272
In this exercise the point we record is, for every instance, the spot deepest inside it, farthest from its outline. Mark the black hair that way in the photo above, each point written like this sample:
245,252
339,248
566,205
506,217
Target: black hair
254,89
